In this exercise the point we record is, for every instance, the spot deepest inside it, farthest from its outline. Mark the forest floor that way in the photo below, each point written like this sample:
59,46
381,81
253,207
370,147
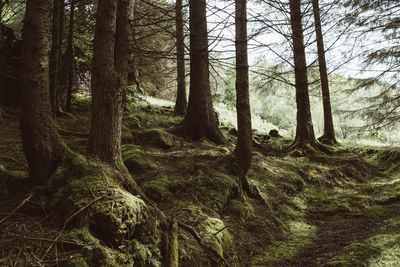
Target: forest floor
320,210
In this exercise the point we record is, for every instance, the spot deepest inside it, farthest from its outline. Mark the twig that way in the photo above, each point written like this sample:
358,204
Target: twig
14,160
66,223
219,231
17,208
43,239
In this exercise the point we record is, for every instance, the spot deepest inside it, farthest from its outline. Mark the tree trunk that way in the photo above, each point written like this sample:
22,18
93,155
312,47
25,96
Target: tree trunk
329,132
41,142
107,89
181,102
55,54
70,57
244,146
200,121
305,130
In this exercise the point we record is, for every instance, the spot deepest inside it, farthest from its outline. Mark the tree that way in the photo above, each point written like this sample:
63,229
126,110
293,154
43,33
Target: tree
108,82
70,57
181,102
329,133
55,54
41,142
244,145
200,120
305,130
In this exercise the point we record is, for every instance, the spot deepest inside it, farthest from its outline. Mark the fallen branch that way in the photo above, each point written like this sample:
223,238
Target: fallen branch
17,208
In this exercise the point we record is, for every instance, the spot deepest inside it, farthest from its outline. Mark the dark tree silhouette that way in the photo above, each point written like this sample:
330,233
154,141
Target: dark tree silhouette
41,142
305,130
244,146
329,133
108,81
200,120
181,101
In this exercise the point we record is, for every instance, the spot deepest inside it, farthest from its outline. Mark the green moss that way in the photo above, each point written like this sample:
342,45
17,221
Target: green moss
160,189
215,235
74,261
240,209
156,138
136,159
300,236
378,250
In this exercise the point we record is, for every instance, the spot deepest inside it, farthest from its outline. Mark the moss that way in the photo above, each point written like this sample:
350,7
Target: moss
75,261
160,189
300,237
215,235
116,219
240,209
113,215
378,250
156,138
136,159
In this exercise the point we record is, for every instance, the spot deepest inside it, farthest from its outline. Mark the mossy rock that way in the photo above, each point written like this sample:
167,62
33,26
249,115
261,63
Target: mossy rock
136,159
132,122
215,235
240,209
112,215
156,138
119,223
160,189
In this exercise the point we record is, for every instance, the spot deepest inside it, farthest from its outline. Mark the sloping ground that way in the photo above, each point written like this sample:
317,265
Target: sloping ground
319,211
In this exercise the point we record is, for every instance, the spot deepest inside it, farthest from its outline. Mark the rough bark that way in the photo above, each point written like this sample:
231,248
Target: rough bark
244,145
70,57
329,132
108,83
200,121
55,54
41,142
305,130
181,101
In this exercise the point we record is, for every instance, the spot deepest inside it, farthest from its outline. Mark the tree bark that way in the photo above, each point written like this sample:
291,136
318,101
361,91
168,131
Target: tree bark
70,57
181,101
329,132
305,130
200,121
55,54
108,83
41,142
244,145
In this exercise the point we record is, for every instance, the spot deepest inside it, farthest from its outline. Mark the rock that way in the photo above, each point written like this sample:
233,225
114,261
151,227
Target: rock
274,133
112,226
157,138
214,235
136,159
160,189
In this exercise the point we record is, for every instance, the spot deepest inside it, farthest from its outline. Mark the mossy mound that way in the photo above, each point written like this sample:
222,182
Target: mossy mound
300,236
136,159
161,189
86,194
156,138
215,235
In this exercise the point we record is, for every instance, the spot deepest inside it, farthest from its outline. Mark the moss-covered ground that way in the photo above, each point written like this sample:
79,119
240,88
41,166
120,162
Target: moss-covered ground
316,210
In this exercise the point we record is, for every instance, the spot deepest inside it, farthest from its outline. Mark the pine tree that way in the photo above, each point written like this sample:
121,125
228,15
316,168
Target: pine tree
181,101
329,133
200,121
244,145
41,142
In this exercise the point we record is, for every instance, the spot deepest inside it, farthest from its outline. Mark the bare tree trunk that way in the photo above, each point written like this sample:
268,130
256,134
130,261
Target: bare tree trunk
244,145
107,84
70,57
181,101
200,121
41,142
55,54
329,132
305,130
